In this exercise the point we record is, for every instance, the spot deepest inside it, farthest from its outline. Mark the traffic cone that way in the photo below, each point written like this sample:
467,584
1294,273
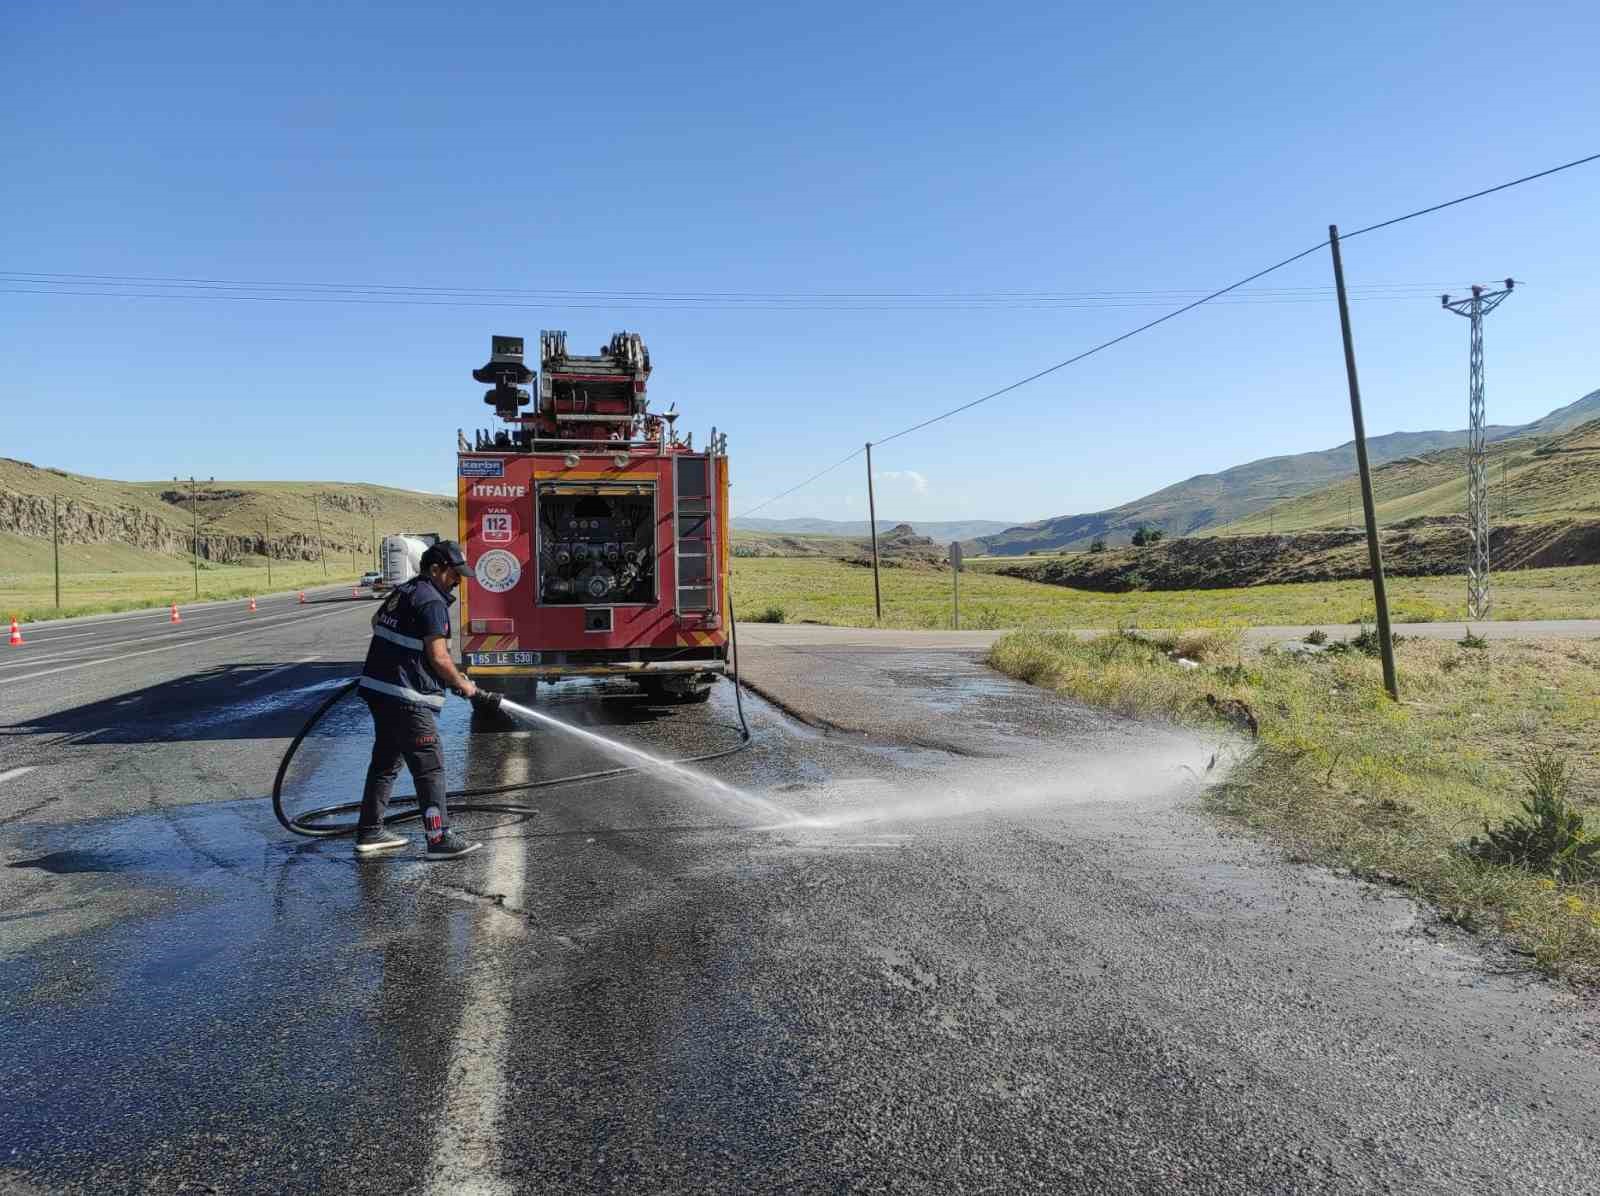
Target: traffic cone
252,604
176,618
16,633
302,597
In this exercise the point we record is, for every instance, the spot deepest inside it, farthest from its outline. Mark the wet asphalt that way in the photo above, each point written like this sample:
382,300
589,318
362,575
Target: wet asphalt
954,936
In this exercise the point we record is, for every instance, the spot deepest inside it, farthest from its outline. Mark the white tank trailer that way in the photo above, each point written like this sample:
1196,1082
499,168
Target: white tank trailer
402,557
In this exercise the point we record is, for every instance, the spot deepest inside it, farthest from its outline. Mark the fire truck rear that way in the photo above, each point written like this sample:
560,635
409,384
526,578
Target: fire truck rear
599,537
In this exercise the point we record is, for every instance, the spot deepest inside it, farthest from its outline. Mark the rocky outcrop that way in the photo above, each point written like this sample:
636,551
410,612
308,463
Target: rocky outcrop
94,523
90,523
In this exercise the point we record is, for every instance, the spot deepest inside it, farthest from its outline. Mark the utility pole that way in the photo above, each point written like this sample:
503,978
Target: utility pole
1505,490
1475,308
375,563
316,510
55,541
1380,597
266,548
194,512
872,514
955,578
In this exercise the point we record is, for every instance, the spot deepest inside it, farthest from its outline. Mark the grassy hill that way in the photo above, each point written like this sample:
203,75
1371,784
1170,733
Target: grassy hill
941,530
129,544
157,519
1530,480
1229,499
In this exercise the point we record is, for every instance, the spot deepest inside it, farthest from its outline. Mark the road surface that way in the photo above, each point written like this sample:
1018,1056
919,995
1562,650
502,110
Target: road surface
960,936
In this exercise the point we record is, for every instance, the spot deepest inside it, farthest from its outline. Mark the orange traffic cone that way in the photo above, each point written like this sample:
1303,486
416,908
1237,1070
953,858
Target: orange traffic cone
252,604
175,616
302,597
16,633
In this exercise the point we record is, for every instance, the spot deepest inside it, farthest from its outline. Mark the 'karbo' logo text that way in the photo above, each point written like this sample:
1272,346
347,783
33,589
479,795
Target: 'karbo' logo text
498,490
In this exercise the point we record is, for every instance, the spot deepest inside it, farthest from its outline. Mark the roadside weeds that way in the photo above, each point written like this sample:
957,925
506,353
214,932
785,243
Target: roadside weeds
1393,792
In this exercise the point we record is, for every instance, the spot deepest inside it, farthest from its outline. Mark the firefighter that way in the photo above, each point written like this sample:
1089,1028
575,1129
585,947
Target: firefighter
408,665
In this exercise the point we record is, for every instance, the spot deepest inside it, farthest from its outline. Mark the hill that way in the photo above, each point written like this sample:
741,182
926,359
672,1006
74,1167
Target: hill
158,518
941,530
1214,501
1531,480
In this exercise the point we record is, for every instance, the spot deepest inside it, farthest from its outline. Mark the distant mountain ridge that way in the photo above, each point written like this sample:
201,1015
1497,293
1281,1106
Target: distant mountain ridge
940,530
1211,500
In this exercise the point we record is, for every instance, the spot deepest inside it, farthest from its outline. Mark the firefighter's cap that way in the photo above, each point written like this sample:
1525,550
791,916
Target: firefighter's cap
447,552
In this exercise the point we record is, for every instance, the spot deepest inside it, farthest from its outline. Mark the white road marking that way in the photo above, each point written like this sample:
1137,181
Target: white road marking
188,643
282,668
472,1124
12,774
167,630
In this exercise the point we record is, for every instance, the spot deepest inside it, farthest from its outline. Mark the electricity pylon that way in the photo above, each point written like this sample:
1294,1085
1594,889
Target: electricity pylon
1479,305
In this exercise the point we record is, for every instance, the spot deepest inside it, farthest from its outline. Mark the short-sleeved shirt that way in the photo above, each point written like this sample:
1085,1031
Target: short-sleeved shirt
415,611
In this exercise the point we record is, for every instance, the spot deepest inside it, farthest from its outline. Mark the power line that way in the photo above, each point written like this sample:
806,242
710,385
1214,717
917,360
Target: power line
1060,365
802,485
1450,203
428,300
1116,340
42,278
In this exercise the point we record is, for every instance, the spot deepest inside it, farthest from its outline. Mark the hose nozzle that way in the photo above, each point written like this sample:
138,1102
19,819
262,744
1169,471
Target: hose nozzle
486,701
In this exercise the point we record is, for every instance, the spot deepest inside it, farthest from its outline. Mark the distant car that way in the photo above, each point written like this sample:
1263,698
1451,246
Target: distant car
369,581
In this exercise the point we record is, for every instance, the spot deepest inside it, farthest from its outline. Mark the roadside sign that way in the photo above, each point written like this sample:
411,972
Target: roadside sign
955,555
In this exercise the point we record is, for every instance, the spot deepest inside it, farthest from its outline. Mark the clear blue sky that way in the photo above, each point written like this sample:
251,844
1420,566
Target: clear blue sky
828,148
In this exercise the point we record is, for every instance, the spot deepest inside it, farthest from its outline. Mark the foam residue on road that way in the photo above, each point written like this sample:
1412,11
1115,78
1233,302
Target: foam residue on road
1149,771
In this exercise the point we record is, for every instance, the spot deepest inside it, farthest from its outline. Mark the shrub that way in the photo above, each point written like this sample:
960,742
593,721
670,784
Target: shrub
1317,636
1147,535
1365,641
773,614
1473,641
1548,836
1098,544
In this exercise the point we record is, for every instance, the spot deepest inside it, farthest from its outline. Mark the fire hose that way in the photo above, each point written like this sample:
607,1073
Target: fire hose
312,823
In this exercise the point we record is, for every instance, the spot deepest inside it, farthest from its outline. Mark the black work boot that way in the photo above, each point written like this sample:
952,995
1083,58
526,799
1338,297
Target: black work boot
378,838
449,846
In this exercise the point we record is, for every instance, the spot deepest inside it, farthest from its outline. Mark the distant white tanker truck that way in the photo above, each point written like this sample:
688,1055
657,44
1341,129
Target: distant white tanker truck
402,558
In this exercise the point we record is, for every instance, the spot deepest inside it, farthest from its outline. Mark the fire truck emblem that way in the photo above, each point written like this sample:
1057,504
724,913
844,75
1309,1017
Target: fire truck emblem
498,571
497,526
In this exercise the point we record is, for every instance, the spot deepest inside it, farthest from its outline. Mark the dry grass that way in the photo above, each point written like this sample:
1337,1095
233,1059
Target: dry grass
1390,790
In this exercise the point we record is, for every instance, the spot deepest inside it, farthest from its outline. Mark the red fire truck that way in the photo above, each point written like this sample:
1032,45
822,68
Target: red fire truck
599,537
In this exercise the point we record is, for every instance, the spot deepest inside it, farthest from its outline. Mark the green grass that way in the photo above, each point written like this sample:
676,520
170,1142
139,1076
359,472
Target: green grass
825,591
152,581
1392,791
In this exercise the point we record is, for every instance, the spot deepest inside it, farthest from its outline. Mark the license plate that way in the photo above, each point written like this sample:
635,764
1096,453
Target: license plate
483,659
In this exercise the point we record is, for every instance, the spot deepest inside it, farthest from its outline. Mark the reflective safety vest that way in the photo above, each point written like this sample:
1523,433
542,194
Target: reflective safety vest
396,667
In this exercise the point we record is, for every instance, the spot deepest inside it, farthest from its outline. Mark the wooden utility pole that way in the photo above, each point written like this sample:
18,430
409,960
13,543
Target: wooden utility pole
955,578
376,564
872,515
266,548
1380,597
316,510
194,512
55,541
